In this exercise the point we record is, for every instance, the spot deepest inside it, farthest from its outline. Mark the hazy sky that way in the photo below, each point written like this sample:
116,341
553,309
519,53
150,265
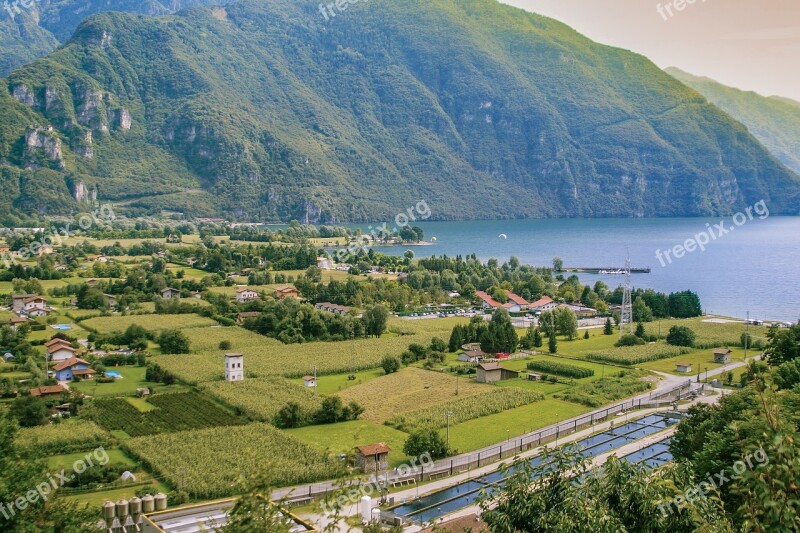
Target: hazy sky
749,44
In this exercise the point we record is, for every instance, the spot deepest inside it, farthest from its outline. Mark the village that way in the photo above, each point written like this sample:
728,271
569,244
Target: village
148,348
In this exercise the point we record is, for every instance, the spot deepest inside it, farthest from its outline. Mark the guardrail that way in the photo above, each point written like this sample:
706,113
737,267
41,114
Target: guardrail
466,462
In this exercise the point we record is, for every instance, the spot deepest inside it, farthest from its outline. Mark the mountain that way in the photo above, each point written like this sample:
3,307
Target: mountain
265,110
775,121
34,28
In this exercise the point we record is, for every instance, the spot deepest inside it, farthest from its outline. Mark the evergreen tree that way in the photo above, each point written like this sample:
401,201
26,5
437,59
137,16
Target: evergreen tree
609,327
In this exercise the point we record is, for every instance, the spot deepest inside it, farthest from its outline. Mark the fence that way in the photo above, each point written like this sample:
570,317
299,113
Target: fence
510,448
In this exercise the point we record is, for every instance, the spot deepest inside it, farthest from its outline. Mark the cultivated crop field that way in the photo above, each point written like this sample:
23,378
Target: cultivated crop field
173,412
268,357
634,355
154,323
463,409
410,389
608,389
208,463
68,436
261,399
711,334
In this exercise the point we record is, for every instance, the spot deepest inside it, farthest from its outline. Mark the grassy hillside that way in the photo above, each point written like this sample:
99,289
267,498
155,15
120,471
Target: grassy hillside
774,121
483,110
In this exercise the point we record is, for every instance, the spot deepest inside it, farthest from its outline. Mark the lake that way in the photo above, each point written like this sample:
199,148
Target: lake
754,267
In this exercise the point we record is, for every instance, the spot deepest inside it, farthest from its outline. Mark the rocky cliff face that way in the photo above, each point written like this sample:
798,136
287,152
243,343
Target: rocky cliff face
42,144
396,102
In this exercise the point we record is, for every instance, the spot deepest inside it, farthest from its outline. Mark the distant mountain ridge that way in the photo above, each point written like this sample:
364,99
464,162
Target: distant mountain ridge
34,28
263,110
773,120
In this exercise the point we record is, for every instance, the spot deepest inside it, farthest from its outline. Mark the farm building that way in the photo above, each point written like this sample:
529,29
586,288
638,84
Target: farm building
234,367
533,376
493,372
684,368
48,391
722,355
310,381
373,457
241,317
169,293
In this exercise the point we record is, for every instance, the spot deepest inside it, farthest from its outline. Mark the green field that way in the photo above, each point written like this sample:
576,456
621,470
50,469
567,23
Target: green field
343,437
171,412
115,455
699,359
210,463
265,356
408,390
334,383
261,399
133,377
493,429
711,334
154,323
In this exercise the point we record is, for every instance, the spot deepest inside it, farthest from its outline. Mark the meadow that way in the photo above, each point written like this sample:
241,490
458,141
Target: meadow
210,463
342,438
494,429
133,377
711,334
701,360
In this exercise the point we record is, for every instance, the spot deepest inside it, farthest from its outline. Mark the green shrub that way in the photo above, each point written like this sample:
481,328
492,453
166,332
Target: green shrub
561,369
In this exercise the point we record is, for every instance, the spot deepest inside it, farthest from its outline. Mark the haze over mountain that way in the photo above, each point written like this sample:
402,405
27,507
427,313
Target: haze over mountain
265,110
34,28
775,121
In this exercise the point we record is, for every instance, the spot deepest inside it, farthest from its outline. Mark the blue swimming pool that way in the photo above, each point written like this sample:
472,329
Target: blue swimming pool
113,374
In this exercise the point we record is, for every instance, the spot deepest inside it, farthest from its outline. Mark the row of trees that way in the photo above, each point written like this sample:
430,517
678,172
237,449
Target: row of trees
291,321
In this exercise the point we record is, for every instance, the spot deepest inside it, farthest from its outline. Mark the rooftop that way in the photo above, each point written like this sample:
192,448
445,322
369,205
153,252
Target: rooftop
374,449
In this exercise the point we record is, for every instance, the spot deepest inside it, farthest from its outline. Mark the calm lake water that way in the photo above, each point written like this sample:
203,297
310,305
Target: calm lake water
755,267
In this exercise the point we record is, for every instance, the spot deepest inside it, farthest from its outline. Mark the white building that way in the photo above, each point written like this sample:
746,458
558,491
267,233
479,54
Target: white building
234,367
243,294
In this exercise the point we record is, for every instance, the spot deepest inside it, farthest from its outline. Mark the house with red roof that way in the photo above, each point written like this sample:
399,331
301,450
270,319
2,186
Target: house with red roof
59,350
243,294
74,367
515,303
49,391
545,303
